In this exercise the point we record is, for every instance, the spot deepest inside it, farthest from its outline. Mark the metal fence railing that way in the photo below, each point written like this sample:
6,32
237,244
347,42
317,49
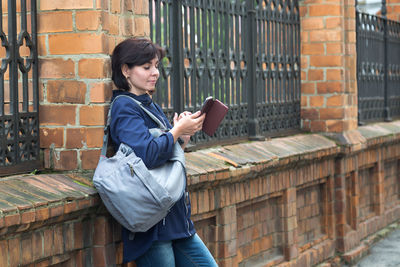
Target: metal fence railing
19,125
245,53
378,67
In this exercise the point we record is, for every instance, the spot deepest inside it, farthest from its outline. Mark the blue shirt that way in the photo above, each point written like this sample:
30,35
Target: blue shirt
130,125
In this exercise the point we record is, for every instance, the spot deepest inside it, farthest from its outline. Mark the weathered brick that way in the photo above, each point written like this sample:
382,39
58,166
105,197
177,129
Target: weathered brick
326,61
334,74
315,75
115,6
92,115
326,35
329,87
141,7
99,258
37,245
313,48
66,92
312,23
89,159
308,88
57,115
103,232
59,21
58,240
4,253
336,101
26,245
11,220
65,160
126,25
94,68
100,92
88,20
77,43
318,126
14,251
76,138
56,68
316,101
334,49
324,10
42,214
142,26
113,24
331,113
28,217
51,136
42,46
62,4
333,22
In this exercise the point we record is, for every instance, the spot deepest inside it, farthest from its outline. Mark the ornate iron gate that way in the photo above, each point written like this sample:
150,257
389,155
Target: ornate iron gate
245,53
378,67
19,126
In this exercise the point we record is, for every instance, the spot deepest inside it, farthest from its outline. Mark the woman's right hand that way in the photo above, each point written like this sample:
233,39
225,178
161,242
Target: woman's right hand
187,125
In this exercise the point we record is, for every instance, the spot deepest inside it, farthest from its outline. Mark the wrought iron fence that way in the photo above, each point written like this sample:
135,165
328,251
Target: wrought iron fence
19,126
378,67
245,53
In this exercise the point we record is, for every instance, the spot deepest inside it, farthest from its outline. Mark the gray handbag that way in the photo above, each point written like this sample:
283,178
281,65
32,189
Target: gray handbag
138,197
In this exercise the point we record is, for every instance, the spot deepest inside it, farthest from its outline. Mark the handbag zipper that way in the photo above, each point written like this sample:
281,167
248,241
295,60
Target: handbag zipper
131,169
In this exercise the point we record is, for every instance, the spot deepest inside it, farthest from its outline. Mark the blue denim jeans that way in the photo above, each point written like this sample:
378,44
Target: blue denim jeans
185,252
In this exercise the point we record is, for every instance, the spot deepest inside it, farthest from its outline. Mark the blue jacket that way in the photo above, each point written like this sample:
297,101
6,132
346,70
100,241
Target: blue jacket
129,125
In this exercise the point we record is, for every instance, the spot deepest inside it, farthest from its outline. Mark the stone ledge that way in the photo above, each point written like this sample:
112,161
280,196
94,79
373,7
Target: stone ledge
231,162
31,201
366,136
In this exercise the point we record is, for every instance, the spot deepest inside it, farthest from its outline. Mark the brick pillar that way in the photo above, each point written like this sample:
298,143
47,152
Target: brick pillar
75,39
227,236
290,224
340,204
393,9
328,55
379,184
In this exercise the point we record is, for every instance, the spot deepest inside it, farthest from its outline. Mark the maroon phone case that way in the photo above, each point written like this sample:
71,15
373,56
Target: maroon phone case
215,112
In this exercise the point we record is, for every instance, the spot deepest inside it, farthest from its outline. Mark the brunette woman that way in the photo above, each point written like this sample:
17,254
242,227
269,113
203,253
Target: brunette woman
173,241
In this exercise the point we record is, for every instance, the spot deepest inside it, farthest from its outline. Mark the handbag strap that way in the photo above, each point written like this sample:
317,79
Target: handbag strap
162,125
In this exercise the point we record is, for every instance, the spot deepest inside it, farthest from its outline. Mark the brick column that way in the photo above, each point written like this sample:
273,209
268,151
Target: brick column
328,51
290,224
340,204
227,236
393,9
75,40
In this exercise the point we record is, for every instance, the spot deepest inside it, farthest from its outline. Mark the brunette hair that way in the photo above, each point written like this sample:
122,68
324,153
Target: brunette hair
132,52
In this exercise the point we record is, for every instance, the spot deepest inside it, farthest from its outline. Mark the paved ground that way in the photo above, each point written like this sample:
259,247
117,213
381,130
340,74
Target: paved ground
385,253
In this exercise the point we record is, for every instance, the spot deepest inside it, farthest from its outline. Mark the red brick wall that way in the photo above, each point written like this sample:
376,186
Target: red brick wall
75,41
393,9
300,205
328,63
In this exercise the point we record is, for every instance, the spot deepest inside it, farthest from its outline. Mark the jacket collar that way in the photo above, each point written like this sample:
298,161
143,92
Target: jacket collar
145,99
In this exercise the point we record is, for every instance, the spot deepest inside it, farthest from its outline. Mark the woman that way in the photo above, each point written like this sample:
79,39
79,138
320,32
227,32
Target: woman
173,241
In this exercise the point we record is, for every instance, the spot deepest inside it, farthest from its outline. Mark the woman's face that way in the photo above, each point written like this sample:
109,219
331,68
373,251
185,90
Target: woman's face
142,79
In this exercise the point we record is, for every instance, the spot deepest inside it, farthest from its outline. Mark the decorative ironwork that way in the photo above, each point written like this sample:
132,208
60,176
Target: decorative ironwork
211,50
278,61
378,73
19,126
